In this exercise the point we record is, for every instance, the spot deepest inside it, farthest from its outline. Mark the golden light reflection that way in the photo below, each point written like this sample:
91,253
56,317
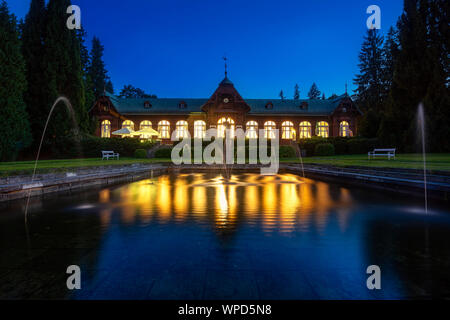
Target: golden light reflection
283,203
164,200
180,202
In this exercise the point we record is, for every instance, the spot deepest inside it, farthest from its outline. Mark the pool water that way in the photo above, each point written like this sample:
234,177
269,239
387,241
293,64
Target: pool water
198,236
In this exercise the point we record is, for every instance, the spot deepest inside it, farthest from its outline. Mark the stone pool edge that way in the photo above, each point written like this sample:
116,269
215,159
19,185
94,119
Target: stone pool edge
401,181
19,187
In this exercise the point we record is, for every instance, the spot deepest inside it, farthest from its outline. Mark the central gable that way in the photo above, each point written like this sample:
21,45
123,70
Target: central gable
226,99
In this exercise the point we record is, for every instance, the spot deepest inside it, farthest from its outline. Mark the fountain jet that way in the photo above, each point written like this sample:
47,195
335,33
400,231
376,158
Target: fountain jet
421,129
72,114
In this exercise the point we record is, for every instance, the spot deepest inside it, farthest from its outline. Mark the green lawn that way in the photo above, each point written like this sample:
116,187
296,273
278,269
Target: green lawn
412,161
435,161
26,167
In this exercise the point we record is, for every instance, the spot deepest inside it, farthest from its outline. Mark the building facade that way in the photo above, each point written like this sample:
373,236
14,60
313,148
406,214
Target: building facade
295,119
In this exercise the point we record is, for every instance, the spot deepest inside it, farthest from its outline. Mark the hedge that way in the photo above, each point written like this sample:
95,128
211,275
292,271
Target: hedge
342,145
140,153
287,152
163,153
324,149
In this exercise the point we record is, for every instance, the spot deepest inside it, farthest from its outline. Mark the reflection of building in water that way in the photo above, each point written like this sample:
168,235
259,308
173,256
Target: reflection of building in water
282,204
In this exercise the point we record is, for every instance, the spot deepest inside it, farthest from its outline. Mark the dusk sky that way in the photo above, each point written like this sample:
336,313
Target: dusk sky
175,48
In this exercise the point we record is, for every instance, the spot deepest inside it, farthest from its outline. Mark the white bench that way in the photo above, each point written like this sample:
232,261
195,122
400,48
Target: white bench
382,153
109,154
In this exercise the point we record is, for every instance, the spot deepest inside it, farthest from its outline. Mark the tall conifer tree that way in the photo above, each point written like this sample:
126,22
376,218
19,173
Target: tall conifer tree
63,74
97,70
14,129
33,33
314,92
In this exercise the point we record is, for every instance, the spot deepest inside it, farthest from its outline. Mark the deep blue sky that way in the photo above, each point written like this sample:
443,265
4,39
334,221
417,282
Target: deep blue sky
175,48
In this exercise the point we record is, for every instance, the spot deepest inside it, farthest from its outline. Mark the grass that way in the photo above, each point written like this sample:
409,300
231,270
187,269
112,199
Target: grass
61,165
435,162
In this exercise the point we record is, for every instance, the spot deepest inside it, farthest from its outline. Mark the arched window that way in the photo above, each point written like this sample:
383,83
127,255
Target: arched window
344,129
305,129
223,124
145,125
252,130
182,129
322,129
287,130
106,129
269,130
164,129
199,129
128,124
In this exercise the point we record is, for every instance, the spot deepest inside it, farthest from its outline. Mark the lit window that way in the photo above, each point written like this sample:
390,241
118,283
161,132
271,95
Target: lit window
344,129
164,129
145,125
322,129
305,130
128,124
269,130
106,129
182,129
199,129
223,124
252,130
287,130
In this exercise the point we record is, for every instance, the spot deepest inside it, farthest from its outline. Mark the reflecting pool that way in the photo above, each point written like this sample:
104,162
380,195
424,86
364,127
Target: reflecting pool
196,236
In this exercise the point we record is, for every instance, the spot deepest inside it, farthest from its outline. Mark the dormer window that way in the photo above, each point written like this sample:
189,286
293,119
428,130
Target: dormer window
182,105
147,104
269,105
304,105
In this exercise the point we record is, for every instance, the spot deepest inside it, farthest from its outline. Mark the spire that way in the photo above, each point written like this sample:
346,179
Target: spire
226,80
225,59
346,89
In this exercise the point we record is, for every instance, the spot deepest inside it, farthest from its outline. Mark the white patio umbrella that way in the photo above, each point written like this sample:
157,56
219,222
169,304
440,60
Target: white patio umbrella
122,132
146,132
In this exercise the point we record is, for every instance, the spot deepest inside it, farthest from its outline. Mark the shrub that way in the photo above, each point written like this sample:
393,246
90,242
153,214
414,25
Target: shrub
140,153
92,146
340,145
287,152
324,149
309,145
163,153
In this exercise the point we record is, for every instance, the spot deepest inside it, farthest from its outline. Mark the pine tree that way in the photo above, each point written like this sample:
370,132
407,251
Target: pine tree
314,92
281,94
63,77
323,96
15,128
390,54
109,87
296,92
420,76
437,97
33,32
85,65
97,70
369,81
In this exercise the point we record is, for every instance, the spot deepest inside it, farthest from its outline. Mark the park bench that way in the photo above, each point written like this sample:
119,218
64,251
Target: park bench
109,154
382,153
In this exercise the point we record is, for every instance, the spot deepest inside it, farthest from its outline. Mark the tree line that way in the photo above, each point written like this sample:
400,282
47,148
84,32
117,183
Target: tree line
407,67
313,93
41,59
